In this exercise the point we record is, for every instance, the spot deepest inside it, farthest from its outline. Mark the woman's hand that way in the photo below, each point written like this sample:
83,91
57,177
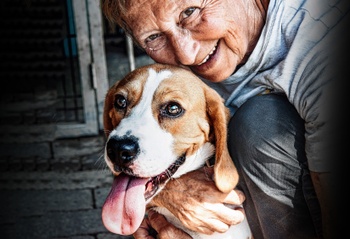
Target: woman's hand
156,226
198,204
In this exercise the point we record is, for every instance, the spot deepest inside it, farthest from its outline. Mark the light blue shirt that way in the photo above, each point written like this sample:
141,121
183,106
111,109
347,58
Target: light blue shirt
295,55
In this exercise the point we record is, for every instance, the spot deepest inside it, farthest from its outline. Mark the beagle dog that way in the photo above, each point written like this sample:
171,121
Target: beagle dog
161,122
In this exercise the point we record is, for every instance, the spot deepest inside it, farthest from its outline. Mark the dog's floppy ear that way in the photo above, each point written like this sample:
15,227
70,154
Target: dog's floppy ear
225,172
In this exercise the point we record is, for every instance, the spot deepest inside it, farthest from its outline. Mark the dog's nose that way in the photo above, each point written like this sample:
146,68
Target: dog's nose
122,151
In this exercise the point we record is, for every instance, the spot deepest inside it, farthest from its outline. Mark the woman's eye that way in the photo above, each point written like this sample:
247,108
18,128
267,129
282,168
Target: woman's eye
152,37
120,102
155,41
188,12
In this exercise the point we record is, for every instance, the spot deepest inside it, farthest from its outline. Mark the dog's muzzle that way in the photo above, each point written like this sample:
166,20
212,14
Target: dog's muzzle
122,151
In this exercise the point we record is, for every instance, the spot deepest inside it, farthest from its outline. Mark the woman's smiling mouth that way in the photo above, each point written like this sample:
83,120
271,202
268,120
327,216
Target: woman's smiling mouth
208,56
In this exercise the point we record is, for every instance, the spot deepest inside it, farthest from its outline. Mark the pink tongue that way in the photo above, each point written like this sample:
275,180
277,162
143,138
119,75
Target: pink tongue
124,208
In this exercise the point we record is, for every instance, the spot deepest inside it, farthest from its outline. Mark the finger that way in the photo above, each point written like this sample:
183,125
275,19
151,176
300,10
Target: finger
156,220
235,197
144,231
225,215
165,229
173,233
217,218
205,230
213,225
219,223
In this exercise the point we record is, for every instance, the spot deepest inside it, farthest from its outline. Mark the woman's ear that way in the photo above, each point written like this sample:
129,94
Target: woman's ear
225,172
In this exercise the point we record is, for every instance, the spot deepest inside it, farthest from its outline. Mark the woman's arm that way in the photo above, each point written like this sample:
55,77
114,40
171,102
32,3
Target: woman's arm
197,203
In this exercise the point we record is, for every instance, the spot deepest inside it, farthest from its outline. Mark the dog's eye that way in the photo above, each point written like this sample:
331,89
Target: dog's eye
120,102
172,109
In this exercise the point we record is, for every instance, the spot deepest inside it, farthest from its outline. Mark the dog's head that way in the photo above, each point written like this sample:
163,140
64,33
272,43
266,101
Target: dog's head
162,121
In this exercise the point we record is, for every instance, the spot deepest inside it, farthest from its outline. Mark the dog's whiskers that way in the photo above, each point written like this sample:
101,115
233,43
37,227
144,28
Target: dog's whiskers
100,163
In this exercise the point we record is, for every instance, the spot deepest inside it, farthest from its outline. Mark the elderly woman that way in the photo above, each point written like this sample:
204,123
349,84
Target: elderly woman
271,61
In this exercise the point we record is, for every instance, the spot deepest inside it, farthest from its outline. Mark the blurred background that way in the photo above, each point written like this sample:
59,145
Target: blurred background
58,59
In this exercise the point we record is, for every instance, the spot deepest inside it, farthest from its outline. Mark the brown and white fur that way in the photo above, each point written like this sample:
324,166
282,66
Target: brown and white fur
162,122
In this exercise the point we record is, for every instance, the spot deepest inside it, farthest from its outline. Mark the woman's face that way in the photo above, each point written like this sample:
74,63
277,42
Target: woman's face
211,37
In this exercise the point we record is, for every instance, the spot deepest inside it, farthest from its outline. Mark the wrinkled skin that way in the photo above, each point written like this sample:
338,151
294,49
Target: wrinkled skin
193,28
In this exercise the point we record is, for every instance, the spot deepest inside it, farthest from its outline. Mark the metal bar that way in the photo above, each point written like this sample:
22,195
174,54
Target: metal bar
130,50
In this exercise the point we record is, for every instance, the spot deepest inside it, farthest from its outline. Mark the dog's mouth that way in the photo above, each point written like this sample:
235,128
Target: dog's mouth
125,205
154,183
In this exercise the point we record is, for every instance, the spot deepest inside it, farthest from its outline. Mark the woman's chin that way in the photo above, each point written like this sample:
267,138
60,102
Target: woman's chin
214,72
215,77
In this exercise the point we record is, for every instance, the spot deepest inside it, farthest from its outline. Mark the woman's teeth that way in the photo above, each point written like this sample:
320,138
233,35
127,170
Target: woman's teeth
207,57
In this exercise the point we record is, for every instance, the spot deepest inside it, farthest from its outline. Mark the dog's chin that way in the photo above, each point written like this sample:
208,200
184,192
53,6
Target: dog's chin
155,184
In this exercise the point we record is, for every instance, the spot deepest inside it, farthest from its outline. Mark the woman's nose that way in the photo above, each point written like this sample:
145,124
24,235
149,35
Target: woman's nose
185,47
